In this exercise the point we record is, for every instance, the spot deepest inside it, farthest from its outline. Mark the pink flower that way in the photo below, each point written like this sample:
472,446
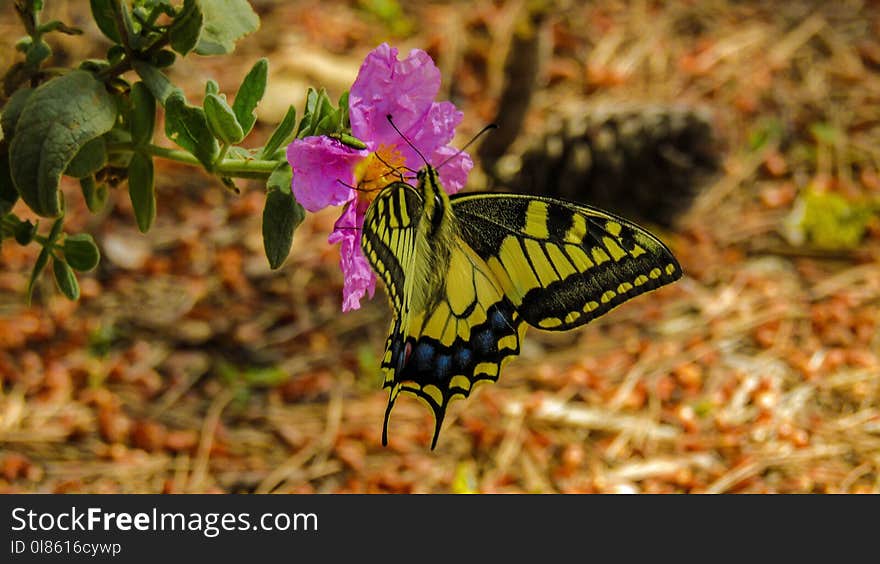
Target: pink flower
324,168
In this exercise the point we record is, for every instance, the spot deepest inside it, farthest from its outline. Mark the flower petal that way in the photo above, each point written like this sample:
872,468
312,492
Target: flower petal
320,167
386,86
358,277
436,130
455,169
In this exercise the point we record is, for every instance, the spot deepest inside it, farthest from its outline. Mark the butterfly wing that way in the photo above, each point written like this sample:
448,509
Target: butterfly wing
388,239
460,331
463,338
562,264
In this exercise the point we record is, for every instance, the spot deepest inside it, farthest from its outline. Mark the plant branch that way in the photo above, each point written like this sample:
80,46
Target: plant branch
236,168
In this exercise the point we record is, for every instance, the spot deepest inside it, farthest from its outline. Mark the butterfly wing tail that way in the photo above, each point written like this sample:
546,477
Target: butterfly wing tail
395,391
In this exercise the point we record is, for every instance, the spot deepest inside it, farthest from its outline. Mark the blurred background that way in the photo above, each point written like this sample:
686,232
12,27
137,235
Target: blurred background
745,134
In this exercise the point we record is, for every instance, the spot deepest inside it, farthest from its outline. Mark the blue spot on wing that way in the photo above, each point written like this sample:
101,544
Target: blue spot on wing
463,359
484,342
423,356
442,367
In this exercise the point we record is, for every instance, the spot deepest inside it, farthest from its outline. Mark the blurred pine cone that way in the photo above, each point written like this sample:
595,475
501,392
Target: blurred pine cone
644,162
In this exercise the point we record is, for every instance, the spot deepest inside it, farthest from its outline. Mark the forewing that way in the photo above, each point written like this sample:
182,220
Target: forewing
562,264
388,239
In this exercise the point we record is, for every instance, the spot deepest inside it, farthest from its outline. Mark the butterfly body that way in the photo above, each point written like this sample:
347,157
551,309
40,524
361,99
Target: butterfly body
467,273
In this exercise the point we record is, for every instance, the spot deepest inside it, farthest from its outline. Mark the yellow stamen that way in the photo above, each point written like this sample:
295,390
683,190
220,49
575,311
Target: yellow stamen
378,170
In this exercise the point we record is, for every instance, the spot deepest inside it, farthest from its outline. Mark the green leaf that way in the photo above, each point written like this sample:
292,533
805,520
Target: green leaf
320,116
222,121
211,87
43,257
102,12
188,127
250,93
60,117
65,279
187,27
281,216
39,266
142,191
90,159
143,113
283,134
8,193
226,21
329,124
56,25
344,122
305,123
94,194
155,80
81,252
12,111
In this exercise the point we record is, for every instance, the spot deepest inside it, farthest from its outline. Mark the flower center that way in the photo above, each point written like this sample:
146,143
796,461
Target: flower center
377,171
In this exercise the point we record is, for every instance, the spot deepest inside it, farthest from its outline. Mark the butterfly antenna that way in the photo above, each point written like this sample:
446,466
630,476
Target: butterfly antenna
396,169
479,134
405,138
355,188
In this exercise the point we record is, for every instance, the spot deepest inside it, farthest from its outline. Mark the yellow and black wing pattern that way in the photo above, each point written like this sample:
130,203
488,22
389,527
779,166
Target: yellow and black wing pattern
467,274
453,326
562,264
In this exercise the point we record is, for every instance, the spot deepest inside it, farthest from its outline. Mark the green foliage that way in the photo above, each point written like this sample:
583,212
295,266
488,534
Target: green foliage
65,279
252,89
12,111
94,194
187,27
283,134
88,123
321,118
282,214
225,22
43,257
187,126
91,158
81,252
829,221
143,114
153,78
58,119
142,190
222,120
102,13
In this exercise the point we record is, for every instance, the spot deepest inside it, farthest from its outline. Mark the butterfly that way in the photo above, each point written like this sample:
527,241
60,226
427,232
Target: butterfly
467,273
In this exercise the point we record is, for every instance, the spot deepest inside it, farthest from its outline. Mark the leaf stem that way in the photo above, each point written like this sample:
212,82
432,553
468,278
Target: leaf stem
236,168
